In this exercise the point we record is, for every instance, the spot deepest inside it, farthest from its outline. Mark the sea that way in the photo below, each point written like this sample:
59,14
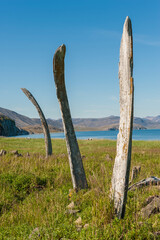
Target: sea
146,134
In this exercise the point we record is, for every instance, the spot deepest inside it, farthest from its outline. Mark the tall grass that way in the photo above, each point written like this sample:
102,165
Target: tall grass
35,192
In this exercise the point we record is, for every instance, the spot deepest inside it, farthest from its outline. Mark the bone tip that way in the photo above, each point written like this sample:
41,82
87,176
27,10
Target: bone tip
61,50
63,47
127,22
127,19
24,90
127,28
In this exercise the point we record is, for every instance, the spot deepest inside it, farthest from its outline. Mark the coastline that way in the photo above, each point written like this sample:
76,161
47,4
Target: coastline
145,134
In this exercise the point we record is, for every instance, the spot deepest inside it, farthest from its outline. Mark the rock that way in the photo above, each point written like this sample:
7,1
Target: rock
150,199
19,155
108,158
16,153
8,127
152,208
3,152
113,129
65,239
71,205
79,228
35,233
78,222
71,210
86,226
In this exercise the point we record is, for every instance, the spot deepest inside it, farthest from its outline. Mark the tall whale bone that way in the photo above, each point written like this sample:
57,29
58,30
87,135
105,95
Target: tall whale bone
120,177
76,165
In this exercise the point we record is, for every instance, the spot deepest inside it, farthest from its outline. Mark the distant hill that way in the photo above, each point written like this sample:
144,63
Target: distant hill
107,123
80,124
38,129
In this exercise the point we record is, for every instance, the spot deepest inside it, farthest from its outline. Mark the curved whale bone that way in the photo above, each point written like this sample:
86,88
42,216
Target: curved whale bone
48,143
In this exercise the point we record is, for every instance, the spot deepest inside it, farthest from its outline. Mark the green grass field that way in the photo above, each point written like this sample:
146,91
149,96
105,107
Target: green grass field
34,192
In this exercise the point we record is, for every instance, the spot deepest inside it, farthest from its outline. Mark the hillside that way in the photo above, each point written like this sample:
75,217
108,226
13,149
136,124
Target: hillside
33,125
80,124
38,128
8,127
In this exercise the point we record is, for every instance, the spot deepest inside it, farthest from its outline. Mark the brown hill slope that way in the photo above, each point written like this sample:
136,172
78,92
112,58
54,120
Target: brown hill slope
29,124
80,124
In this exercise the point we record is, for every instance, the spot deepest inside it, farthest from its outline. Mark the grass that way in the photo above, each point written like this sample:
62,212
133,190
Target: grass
35,192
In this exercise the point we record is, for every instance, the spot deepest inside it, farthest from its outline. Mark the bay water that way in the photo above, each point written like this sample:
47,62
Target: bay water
147,134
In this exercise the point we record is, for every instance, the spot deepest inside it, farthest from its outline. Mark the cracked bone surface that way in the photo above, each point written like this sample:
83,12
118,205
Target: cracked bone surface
120,177
76,166
48,143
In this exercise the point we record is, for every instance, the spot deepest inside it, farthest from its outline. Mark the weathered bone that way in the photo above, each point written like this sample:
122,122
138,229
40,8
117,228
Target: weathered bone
76,166
121,169
145,182
48,143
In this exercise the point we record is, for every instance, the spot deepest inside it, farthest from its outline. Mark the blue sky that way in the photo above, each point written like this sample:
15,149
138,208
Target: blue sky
31,31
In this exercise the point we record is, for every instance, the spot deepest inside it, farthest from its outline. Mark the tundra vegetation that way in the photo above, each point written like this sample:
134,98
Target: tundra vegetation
35,192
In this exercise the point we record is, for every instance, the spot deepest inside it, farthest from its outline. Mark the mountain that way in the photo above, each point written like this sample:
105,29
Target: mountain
107,123
32,125
80,124
20,120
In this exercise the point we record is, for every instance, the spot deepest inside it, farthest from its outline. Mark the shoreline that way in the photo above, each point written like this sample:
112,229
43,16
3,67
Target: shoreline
146,135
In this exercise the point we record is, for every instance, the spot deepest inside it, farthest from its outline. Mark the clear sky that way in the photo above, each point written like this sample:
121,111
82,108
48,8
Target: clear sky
31,31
